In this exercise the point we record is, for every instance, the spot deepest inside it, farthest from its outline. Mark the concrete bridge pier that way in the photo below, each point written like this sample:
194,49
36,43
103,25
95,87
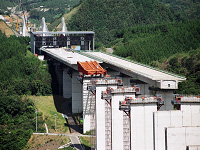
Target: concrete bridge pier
142,123
67,82
59,75
77,91
167,95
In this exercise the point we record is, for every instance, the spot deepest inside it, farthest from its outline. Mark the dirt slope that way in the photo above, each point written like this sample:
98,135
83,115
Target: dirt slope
5,29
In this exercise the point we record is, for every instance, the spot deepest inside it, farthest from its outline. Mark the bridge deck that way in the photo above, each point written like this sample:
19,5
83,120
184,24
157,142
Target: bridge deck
67,57
136,68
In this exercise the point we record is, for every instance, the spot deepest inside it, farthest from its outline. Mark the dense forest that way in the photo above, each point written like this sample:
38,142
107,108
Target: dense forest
106,17
187,64
157,42
21,74
189,9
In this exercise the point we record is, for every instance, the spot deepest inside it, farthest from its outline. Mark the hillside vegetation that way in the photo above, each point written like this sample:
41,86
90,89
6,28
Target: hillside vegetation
51,10
57,25
106,17
187,64
157,42
21,74
189,9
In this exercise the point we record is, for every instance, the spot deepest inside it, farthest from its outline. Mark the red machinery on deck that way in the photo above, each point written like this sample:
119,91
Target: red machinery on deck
91,68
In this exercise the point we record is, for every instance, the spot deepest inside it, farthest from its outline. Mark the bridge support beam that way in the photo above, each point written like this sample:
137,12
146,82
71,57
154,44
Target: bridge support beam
167,95
59,75
67,83
77,91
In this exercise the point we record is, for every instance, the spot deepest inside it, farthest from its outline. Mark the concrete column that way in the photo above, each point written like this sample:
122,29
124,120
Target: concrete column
67,84
126,80
77,90
59,75
142,125
144,88
167,95
117,122
100,118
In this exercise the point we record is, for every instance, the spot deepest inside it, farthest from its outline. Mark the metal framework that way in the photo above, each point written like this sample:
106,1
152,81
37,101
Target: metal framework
77,40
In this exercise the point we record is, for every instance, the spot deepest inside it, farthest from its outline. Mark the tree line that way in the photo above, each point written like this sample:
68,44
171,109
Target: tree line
107,17
21,74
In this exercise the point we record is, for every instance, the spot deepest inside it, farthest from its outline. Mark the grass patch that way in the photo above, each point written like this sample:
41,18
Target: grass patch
45,104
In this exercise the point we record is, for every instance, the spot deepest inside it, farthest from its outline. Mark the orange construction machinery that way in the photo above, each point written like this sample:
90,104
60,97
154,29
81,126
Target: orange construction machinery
91,68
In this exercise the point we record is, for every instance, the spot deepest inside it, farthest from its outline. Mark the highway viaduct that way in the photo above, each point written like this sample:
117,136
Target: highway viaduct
151,80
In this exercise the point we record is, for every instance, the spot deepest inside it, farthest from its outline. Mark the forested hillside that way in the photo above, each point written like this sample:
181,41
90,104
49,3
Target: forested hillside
189,9
51,10
157,42
187,64
106,17
21,74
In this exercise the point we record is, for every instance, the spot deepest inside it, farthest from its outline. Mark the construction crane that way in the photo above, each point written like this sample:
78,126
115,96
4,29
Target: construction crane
22,15
18,14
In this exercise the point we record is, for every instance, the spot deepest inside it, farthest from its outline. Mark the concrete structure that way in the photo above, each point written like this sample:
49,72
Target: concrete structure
24,28
69,60
145,76
121,117
44,26
64,28
142,123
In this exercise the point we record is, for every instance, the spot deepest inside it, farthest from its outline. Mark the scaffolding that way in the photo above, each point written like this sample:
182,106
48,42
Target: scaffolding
125,107
106,95
160,101
126,132
93,122
134,89
176,99
108,125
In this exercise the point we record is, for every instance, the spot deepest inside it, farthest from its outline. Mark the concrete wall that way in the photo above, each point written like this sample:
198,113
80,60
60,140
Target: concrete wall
117,122
67,84
77,90
142,126
179,138
162,120
196,147
167,95
191,114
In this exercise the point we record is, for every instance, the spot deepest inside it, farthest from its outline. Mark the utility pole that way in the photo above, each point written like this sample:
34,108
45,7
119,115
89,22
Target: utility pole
36,120
55,122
